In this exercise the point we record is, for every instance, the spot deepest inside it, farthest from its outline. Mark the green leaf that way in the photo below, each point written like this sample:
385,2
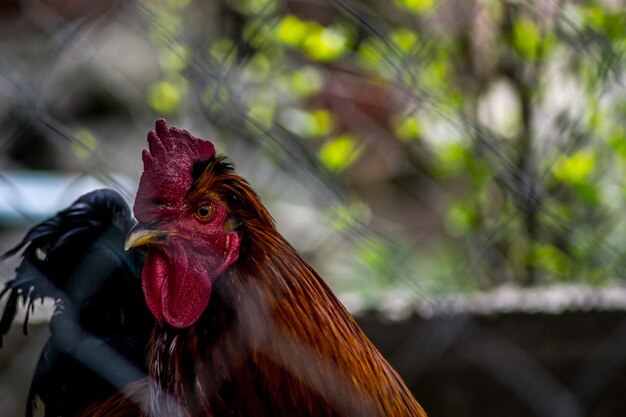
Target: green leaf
215,95
341,217
165,97
375,255
258,68
615,26
594,16
617,142
339,153
451,160
460,219
527,38
317,122
325,43
576,168
174,58
370,53
261,115
587,192
255,7
323,122
416,6
166,24
306,81
549,258
404,38
256,33
85,144
611,24
262,107
223,50
407,128
291,30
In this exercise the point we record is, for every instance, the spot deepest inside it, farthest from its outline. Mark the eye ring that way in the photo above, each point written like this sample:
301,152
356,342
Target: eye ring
204,212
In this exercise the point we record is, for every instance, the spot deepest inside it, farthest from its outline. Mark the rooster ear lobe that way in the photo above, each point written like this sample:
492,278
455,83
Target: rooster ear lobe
232,249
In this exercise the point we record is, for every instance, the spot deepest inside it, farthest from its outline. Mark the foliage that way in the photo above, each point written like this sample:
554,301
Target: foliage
512,111
483,141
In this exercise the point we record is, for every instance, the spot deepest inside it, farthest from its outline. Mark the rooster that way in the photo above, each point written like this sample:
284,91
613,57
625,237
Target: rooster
243,325
100,327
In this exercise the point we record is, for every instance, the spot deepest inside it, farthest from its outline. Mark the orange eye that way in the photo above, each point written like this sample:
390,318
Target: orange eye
204,212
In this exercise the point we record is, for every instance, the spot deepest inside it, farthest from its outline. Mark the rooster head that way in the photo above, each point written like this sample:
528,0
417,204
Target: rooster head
188,228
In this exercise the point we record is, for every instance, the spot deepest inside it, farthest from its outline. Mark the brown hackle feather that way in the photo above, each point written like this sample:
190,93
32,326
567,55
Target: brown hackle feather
274,340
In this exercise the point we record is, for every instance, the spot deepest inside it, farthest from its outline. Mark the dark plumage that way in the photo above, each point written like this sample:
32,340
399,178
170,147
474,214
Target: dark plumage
100,326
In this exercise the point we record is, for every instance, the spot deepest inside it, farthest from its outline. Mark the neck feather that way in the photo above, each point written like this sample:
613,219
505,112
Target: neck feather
274,338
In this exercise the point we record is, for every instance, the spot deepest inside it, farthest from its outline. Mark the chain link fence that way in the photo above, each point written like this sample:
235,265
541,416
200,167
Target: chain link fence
416,152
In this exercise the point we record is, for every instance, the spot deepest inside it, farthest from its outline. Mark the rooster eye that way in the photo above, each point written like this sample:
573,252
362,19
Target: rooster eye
204,212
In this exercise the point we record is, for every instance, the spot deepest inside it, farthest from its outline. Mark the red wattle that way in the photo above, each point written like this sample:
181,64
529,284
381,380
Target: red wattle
176,291
186,295
153,276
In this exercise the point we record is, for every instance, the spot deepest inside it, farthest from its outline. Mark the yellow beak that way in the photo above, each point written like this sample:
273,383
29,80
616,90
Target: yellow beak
142,234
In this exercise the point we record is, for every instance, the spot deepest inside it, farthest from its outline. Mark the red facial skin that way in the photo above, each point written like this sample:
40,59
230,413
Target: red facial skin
179,271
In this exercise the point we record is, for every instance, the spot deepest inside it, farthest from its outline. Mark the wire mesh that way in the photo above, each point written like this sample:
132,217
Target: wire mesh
410,150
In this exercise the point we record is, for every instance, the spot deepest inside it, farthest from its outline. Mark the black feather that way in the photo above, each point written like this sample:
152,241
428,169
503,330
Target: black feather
10,310
101,324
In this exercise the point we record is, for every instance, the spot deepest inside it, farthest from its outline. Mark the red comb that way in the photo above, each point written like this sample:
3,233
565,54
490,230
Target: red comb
167,167
165,143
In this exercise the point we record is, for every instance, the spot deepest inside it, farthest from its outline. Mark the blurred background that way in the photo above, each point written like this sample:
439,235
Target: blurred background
453,168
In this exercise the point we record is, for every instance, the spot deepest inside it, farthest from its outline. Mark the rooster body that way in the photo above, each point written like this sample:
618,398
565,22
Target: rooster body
244,326
100,327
